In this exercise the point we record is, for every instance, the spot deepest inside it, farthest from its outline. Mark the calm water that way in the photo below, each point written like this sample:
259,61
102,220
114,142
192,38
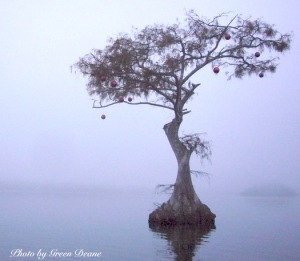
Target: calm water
115,224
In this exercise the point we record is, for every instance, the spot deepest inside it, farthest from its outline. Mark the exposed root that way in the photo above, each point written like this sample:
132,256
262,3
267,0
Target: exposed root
166,215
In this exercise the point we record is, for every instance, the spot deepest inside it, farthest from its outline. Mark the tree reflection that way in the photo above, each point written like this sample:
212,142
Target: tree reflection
183,239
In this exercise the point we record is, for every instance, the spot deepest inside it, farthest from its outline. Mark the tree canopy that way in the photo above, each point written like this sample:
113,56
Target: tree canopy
155,65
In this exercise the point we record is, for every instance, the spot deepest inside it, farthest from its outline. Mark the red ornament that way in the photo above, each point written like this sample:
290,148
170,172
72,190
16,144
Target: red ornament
216,70
121,99
227,36
129,99
257,54
103,116
113,83
261,75
103,78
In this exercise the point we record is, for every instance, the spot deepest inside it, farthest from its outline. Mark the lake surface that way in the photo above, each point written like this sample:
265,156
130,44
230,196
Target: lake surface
114,226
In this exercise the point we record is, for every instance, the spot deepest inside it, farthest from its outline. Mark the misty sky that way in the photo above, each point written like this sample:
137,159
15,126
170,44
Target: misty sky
50,135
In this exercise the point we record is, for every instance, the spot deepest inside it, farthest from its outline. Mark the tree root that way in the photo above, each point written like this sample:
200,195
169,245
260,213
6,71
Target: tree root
166,215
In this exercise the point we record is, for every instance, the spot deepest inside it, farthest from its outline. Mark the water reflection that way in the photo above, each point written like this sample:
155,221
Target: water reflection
184,240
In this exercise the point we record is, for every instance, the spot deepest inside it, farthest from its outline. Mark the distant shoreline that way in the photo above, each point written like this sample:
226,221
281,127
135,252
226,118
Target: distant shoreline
269,190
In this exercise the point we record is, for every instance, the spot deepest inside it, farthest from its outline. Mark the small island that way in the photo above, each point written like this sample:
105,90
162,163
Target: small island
269,190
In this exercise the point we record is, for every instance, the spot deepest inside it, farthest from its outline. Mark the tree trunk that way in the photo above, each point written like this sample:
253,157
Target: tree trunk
184,206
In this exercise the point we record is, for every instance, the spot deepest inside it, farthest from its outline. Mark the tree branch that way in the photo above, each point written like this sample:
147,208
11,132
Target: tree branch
156,59
164,188
130,103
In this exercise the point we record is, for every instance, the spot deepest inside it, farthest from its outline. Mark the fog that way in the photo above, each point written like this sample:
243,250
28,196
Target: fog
51,136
